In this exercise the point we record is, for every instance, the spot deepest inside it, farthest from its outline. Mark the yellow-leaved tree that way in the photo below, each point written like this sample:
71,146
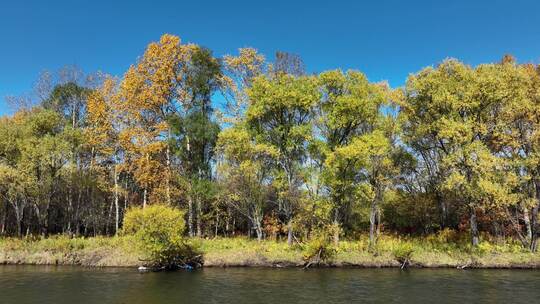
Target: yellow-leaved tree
149,93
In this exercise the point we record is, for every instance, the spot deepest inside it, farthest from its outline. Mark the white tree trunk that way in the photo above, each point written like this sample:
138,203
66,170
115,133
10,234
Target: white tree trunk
117,220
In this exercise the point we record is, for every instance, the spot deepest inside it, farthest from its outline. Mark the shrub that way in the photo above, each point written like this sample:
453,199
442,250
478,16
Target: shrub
319,250
447,236
403,253
159,230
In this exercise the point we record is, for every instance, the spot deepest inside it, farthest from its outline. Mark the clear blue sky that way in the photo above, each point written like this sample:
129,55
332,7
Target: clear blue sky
384,39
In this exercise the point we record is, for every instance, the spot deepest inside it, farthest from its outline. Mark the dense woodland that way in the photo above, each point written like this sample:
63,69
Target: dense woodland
262,148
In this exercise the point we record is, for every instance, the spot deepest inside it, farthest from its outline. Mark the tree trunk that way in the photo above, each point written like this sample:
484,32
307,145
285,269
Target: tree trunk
168,176
76,216
475,240
144,198
146,186
190,215
442,209
217,225
73,115
199,218
378,221
259,231
372,220
227,220
126,194
289,232
498,232
42,220
45,221
3,223
527,221
336,227
19,228
535,227
18,218
109,218
117,208
70,204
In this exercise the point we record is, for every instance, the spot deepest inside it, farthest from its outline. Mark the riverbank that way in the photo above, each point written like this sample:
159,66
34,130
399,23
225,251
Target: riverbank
243,252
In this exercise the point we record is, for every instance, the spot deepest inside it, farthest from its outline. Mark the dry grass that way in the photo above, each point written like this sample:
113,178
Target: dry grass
61,250
442,250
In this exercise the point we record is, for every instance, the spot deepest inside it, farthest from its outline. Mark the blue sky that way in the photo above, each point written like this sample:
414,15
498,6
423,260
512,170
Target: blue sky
387,40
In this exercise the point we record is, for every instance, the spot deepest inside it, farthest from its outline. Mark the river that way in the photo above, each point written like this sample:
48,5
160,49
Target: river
78,285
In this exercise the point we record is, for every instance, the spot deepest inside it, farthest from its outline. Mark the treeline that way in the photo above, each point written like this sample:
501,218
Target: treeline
260,148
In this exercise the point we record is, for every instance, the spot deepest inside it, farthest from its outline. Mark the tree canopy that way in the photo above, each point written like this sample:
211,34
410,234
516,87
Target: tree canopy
263,148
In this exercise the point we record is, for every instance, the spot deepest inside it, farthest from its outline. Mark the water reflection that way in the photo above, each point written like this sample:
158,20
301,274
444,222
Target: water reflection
49,284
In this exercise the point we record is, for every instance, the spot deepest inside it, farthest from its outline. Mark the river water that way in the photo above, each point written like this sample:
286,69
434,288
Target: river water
78,285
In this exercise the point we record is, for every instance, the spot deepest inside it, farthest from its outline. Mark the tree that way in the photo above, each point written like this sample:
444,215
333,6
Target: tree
150,92
449,105
17,188
33,152
244,174
101,136
350,107
516,138
68,99
194,130
65,92
279,115
239,72
45,150
289,63
366,167
251,147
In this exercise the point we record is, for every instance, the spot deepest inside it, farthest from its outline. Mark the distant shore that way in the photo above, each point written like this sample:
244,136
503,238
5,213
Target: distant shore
242,252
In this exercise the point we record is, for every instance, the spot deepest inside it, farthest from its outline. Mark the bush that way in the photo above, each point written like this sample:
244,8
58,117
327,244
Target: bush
403,253
319,250
159,232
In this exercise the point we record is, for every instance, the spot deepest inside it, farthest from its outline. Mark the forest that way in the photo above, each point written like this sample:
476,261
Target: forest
257,147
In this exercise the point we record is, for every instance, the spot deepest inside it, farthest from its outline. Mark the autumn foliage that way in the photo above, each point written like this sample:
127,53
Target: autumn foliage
246,145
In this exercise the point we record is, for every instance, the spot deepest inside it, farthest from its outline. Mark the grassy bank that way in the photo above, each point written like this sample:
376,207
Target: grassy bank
434,251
